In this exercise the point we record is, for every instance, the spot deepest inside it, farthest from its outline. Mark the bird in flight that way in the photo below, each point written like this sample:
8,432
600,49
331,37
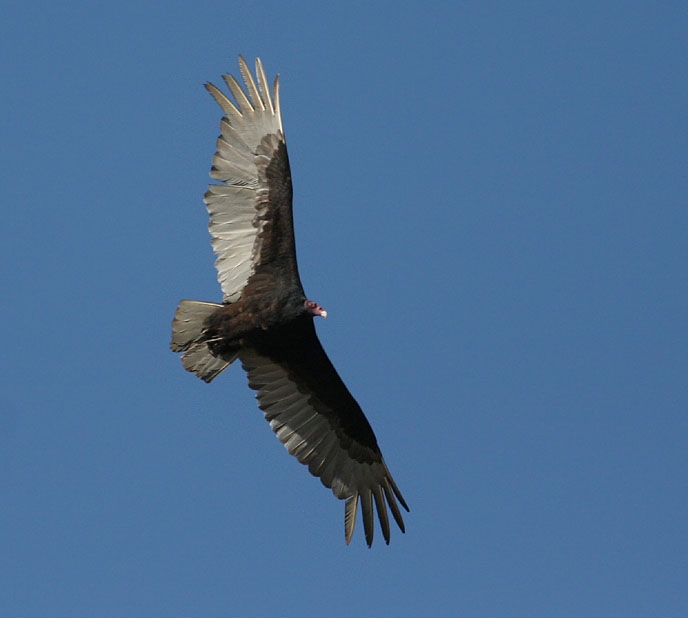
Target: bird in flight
266,320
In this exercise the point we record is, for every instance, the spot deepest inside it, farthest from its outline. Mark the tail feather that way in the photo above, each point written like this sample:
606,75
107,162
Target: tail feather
187,337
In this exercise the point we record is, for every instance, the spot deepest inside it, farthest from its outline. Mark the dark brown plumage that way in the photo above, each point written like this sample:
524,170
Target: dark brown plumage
266,320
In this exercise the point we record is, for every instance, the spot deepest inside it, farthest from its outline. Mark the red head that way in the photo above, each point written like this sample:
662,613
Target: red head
315,309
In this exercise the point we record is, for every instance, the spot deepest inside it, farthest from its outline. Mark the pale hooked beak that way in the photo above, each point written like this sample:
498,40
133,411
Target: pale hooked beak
315,309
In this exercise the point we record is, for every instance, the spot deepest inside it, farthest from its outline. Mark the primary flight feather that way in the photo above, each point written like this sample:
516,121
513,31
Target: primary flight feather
265,319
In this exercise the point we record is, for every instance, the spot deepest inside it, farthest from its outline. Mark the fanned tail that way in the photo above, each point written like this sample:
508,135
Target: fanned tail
187,337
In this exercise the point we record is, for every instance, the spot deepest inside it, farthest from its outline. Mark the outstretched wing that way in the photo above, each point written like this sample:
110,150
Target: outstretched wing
319,422
250,214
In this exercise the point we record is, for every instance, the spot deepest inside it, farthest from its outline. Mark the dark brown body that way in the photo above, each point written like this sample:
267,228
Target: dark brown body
265,305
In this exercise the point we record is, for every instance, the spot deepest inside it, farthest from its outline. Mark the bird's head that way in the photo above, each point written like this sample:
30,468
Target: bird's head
315,309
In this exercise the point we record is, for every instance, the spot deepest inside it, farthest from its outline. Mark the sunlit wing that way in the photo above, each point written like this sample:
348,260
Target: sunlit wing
251,137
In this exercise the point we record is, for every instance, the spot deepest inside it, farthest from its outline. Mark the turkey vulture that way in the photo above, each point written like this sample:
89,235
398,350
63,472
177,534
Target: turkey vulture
265,319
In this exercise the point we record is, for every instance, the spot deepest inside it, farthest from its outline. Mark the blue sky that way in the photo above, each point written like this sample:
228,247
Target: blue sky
491,201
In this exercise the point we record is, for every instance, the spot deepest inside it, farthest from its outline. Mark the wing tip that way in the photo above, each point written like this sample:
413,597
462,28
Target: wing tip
350,512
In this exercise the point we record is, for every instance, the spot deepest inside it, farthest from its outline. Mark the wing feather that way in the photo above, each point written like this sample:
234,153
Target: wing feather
327,449
276,99
367,512
302,417
382,512
221,99
311,439
396,513
244,104
319,422
350,511
263,85
234,139
251,85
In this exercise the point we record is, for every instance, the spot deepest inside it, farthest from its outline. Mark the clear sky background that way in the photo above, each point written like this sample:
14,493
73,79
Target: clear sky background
491,200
